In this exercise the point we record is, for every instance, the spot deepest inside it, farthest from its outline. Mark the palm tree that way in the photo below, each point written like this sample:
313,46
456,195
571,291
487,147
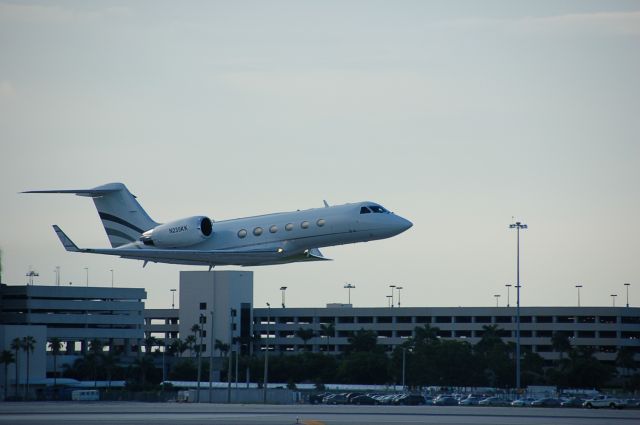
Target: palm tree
56,346
143,365
109,363
305,335
7,358
196,331
28,344
560,343
329,331
16,345
190,342
149,343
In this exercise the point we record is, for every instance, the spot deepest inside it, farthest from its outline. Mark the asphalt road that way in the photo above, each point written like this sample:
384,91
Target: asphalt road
103,413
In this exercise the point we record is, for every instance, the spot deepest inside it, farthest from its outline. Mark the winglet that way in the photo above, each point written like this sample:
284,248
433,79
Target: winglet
326,205
66,242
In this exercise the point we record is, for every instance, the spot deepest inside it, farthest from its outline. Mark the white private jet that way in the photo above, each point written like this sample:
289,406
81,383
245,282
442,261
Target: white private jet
253,241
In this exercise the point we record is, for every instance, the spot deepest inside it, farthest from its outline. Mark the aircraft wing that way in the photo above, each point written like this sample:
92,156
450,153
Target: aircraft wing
179,256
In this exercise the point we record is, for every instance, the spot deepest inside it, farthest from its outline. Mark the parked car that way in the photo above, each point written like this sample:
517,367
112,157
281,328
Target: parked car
522,402
493,401
470,401
573,402
317,398
410,400
364,400
445,401
546,402
335,399
604,401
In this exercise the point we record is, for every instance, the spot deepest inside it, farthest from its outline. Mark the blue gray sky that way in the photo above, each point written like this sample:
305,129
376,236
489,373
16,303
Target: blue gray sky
458,115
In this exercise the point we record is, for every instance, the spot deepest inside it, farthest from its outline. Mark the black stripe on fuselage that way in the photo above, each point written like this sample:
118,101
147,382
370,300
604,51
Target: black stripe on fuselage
118,233
118,220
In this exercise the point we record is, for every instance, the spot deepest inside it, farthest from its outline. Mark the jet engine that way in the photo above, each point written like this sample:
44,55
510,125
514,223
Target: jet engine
179,233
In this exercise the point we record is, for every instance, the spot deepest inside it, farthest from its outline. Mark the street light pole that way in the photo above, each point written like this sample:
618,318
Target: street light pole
508,285
173,292
613,299
211,352
578,288
399,288
389,301
392,288
497,297
404,355
283,289
266,358
627,285
86,269
111,270
518,225
349,287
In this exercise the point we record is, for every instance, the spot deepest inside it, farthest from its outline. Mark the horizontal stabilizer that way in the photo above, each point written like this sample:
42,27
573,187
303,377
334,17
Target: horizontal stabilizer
66,242
80,192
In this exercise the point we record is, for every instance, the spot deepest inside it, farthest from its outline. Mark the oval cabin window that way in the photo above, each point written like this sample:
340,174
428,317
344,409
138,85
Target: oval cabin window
320,222
288,227
257,231
304,224
242,233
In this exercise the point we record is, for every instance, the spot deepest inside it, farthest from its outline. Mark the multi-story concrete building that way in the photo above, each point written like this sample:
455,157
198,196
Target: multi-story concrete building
605,328
77,315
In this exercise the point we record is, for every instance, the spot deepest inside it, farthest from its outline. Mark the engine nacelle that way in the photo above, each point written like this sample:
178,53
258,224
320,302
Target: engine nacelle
179,233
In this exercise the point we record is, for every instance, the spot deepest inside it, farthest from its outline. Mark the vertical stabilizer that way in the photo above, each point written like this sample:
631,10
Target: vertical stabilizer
123,218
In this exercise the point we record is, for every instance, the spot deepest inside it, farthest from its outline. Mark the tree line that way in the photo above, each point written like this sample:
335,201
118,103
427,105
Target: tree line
428,360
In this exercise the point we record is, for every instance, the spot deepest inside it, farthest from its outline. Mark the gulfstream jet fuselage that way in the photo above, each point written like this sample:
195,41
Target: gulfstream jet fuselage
251,241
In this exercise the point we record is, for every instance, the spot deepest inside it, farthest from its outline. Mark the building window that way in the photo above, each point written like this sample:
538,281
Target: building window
320,222
304,224
288,227
242,233
273,229
257,231
203,306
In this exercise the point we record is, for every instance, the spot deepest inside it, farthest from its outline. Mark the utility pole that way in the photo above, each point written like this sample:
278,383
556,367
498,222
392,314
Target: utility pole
518,225
399,288
266,358
349,287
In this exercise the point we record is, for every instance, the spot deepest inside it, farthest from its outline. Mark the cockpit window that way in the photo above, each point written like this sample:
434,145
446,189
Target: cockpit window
364,210
377,209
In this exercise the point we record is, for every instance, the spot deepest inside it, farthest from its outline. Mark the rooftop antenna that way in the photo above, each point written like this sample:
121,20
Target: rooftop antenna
32,273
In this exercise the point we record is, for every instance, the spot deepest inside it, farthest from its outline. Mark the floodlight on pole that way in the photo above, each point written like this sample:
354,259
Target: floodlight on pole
173,292
578,288
399,288
392,288
266,359
497,298
518,225
389,301
86,269
613,299
111,270
283,289
508,285
627,286
349,287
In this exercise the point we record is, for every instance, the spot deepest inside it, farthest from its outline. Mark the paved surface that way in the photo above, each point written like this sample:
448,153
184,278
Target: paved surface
69,413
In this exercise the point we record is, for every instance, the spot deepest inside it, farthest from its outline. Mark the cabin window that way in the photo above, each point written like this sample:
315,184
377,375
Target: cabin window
242,233
377,209
320,222
288,227
257,231
304,224
364,210
273,229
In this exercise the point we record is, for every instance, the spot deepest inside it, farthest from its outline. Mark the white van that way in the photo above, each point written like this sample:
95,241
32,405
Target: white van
85,395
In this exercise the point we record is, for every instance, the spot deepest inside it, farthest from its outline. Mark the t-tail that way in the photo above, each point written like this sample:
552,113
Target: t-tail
123,218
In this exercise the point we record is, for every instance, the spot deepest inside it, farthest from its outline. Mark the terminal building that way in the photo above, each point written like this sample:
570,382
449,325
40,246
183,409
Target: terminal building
221,304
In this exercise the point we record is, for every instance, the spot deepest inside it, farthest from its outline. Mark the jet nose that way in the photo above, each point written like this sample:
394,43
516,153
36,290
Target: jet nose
403,224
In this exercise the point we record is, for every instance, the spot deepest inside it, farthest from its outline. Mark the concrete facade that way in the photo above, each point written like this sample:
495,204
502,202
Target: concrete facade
606,328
